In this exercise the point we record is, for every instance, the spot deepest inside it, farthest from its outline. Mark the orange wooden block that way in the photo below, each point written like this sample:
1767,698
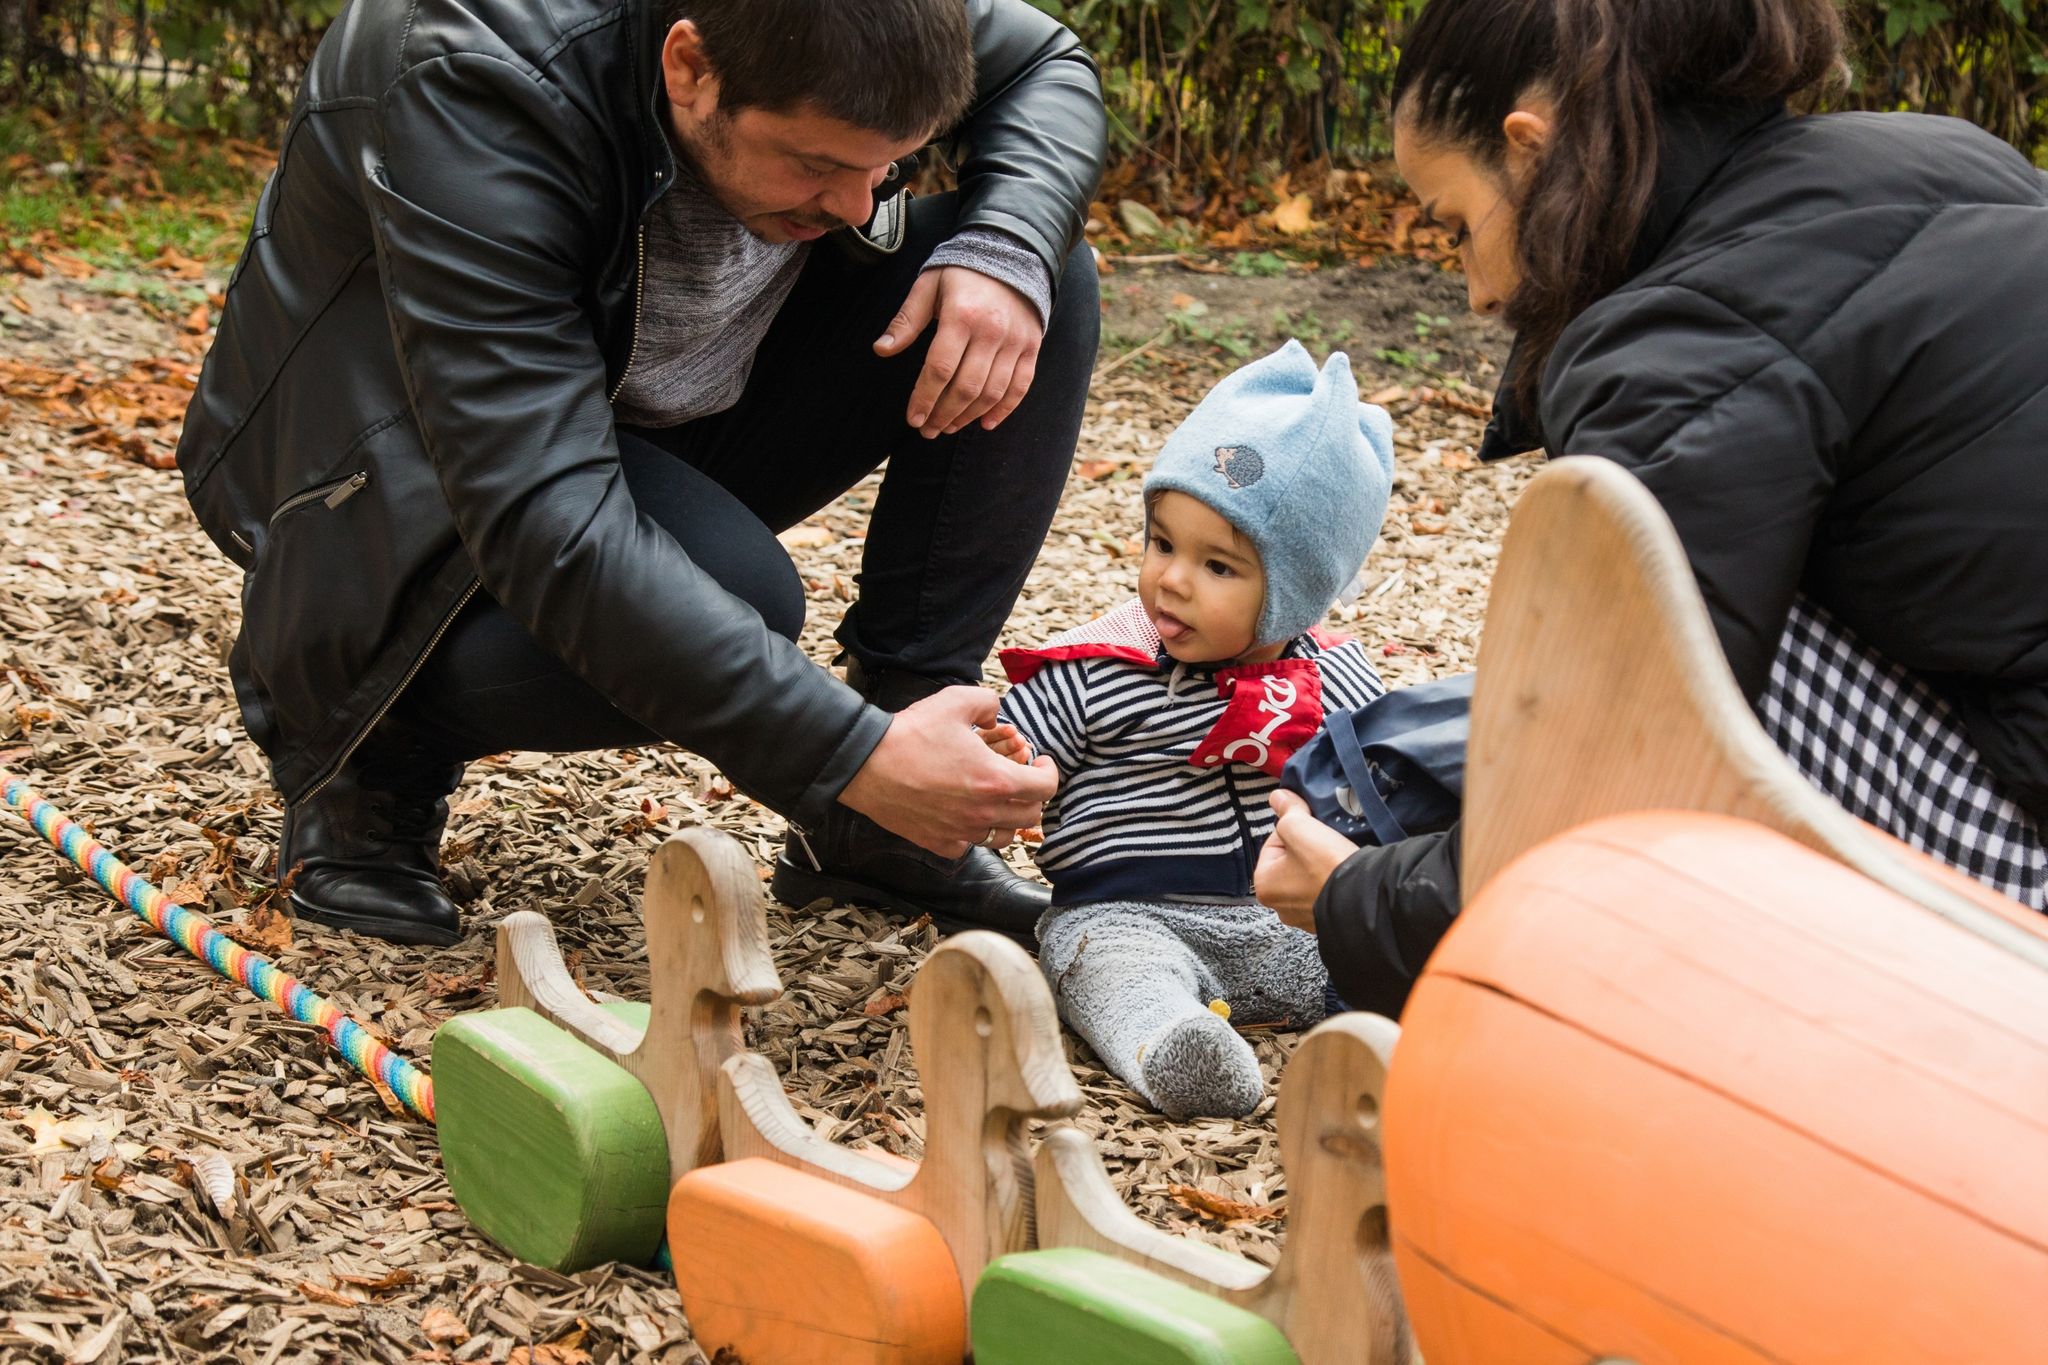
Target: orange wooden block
1676,1089
785,1268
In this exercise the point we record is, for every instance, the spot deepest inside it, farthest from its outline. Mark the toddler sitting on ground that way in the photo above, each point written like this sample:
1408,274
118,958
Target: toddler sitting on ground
1171,717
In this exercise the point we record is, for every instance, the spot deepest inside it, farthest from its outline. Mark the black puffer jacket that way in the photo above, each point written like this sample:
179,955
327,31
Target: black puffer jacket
1832,371
409,392
1831,368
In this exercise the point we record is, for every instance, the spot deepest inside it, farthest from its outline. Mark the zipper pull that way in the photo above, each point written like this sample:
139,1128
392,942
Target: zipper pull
347,490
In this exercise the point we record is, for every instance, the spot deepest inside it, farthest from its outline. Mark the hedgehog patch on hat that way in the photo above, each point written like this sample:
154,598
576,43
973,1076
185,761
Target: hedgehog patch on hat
1287,454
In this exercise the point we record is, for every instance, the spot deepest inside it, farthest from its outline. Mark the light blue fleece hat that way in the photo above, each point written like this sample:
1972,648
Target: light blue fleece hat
1290,457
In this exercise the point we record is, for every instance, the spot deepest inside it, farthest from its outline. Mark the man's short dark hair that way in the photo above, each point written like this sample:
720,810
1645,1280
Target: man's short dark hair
901,68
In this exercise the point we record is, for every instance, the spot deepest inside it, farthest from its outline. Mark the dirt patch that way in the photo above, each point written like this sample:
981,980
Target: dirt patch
344,1244
1399,320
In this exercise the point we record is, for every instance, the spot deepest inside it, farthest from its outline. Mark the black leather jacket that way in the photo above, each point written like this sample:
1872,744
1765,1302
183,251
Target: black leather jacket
409,392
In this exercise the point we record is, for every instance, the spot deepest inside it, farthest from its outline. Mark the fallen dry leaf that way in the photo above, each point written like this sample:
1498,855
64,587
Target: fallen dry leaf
1455,402
887,1003
440,1326
264,929
1293,216
177,264
1223,1209
70,267
567,1350
397,1278
441,985
320,1293
53,1134
806,536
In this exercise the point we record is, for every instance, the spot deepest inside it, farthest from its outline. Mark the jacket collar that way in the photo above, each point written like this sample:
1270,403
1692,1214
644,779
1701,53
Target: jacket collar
1694,142
648,31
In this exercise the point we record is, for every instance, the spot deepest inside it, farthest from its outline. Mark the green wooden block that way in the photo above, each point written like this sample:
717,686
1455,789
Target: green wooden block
554,1151
1063,1305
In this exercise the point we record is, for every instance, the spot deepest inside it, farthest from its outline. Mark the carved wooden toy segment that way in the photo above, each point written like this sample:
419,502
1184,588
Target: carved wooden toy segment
776,1265
1677,1089
1333,1293
707,955
1064,1305
1602,689
553,1151
986,1039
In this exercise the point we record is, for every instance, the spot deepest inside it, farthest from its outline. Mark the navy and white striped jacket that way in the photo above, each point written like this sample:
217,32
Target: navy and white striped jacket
1164,766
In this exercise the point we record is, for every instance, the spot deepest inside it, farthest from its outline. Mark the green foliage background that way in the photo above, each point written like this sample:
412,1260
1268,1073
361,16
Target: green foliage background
1201,91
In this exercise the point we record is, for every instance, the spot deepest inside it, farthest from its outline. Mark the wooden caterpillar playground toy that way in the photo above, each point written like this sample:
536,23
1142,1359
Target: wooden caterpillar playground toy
887,1251
1648,1039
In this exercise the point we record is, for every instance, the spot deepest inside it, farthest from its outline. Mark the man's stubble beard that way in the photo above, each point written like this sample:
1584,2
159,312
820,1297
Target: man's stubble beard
708,157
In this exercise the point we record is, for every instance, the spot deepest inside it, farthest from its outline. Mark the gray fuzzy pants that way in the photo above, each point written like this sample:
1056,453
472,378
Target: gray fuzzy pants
1136,978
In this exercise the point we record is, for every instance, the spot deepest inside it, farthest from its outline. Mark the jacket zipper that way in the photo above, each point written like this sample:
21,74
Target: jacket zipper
337,494
397,691
334,493
639,296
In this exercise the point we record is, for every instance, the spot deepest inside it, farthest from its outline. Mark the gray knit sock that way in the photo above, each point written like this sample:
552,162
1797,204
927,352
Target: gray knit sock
1201,1068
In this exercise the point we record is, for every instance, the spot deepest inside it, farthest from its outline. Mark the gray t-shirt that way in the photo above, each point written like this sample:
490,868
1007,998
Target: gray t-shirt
710,291
712,288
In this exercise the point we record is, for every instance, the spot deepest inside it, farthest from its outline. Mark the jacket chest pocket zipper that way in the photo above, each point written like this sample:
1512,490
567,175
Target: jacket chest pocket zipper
334,494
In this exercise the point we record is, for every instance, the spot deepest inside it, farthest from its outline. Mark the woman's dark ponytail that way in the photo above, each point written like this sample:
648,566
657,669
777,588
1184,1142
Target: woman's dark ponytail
1609,67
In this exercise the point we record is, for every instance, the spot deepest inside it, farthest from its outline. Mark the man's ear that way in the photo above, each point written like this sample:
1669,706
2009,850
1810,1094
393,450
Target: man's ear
692,85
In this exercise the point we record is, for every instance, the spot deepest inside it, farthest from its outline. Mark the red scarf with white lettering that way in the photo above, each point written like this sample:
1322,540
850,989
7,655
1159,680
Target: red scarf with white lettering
1272,708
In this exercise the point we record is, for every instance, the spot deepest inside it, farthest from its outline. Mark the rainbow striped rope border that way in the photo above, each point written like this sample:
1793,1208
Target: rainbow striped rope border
196,935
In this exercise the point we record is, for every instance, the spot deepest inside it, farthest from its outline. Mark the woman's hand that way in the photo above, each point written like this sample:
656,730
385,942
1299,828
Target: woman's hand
1297,860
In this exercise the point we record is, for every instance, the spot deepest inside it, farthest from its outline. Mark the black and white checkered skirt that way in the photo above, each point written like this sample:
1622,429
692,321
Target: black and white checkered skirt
1885,747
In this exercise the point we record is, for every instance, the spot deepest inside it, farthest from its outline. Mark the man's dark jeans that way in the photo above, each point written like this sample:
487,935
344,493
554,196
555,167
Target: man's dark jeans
954,530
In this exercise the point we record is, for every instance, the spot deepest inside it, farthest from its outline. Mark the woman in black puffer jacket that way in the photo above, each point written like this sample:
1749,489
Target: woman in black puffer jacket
1820,341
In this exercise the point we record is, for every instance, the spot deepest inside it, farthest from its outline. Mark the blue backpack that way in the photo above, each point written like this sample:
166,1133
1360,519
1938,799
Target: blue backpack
1393,767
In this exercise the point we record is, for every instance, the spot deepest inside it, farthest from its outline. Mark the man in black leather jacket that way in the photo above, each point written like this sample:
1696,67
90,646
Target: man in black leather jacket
527,359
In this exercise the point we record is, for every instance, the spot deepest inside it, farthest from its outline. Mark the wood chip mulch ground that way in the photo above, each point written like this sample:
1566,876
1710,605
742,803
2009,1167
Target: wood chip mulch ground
132,1079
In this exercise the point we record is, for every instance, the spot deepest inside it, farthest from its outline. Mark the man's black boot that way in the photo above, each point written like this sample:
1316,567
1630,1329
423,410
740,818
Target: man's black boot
850,859
364,851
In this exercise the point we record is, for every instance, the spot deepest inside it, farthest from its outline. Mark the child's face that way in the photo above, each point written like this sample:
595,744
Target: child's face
1201,584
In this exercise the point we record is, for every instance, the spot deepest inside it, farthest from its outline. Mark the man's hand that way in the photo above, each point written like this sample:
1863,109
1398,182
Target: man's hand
982,358
1297,859
934,781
